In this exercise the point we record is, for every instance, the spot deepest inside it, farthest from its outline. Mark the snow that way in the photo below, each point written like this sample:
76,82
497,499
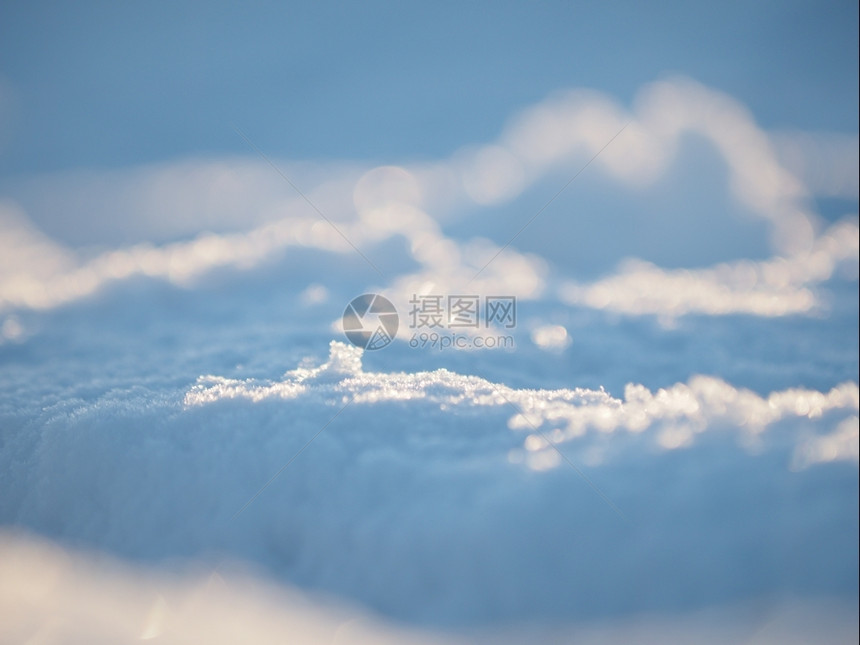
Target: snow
668,450
394,482
551,337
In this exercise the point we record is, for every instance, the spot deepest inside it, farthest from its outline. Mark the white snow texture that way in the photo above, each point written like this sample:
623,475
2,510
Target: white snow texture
669,453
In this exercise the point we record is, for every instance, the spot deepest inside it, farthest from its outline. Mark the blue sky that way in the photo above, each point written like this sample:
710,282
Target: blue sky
102,84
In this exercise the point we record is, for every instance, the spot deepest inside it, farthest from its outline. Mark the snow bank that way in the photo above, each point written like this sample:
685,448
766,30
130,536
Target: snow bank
155,458
49,595
445,498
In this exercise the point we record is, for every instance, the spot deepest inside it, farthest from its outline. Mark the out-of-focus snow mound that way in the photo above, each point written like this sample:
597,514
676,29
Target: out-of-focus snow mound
448,499
48,595
53,595
455,218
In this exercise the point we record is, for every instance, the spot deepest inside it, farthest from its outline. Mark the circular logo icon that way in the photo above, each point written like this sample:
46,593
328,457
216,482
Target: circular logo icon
370,321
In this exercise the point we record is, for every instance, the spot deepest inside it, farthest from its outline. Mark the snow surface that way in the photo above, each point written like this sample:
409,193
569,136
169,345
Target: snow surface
670,450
